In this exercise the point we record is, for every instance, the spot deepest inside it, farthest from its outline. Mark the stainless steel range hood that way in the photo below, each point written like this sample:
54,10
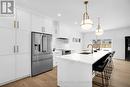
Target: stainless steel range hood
62,38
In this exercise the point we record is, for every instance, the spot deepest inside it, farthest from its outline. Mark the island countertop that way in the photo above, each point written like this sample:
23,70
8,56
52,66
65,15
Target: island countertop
75,70
85,58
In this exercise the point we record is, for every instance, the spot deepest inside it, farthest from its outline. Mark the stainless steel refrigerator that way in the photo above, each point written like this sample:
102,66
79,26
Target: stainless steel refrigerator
41,53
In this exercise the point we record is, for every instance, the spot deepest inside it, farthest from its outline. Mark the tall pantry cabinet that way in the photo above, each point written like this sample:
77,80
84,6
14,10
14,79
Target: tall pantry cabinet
15,46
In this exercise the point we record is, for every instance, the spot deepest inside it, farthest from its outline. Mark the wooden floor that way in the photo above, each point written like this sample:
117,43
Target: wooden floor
120,77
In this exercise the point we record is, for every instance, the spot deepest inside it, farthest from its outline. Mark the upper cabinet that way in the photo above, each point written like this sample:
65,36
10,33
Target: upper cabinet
49,27
23,20
56,28
64,31
37,23
42,24
7,22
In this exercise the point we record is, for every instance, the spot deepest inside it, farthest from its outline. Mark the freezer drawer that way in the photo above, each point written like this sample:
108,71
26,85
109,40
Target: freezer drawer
41,66
41,57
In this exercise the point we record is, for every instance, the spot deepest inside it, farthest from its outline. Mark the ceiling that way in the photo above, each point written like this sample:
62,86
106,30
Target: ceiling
114,14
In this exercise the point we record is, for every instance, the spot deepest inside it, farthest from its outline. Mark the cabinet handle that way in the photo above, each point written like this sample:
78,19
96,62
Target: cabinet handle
17,24
17,48
14,24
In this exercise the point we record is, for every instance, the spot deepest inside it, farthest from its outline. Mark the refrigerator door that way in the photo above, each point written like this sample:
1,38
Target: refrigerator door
45,56
49,43
44,43
36,43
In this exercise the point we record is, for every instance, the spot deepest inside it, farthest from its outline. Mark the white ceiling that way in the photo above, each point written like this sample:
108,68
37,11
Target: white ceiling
113,13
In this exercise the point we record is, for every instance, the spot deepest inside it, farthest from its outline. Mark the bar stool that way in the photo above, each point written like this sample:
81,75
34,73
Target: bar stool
109,68
99,67
110,64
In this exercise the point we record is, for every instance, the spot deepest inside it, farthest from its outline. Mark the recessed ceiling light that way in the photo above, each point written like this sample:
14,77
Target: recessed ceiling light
59,14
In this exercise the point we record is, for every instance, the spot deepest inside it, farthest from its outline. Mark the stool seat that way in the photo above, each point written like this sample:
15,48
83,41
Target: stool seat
100,67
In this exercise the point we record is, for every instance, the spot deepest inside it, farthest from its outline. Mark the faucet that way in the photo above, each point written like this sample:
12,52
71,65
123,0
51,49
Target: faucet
91,46
97,46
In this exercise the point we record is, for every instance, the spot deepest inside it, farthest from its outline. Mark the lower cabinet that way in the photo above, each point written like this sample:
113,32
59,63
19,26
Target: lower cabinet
56,54
13,67
23,65
7,68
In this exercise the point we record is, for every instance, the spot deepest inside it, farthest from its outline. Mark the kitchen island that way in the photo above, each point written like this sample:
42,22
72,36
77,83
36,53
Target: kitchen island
75,70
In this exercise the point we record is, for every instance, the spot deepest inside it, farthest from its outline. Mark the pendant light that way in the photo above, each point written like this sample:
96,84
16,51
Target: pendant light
99,30
86,21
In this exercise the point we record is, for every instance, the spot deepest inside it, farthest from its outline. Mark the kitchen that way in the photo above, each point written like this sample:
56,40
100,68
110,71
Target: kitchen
60,37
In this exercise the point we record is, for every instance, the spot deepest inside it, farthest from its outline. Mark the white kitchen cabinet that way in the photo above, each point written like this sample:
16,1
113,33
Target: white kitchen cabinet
15,47
7,68
37,23
56,54
23,44
49,27
56,28
64,31
23,41
7,41
23,65
7,22
23,20
42,24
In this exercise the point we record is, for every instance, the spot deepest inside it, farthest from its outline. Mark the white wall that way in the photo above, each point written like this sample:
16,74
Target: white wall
70,33
117,36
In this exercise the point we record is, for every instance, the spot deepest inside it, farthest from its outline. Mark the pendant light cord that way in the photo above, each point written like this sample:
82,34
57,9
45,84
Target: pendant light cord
86,2
86,8
98,24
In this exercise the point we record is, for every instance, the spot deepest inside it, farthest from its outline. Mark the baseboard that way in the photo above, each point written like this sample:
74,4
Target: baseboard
119,59
16,79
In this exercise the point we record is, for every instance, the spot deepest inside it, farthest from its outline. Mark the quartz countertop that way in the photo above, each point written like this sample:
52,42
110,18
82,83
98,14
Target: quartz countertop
85,58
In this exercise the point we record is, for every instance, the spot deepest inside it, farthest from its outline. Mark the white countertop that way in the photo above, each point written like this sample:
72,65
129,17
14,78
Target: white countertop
85,58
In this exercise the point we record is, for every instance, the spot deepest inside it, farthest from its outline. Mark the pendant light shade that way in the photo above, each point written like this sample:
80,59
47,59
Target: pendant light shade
99,30
86,22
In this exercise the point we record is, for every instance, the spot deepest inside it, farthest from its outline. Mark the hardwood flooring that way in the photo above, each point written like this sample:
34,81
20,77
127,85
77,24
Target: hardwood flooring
120,77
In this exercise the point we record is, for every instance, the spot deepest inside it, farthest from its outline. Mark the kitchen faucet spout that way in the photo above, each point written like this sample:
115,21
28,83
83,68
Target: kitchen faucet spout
91,46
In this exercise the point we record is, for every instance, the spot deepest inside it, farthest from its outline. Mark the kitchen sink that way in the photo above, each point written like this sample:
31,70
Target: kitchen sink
85,53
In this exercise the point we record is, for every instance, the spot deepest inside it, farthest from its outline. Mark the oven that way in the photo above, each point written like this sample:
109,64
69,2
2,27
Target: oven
66,52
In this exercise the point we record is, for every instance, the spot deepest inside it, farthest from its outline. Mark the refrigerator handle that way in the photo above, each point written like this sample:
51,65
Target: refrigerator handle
42,43
14,49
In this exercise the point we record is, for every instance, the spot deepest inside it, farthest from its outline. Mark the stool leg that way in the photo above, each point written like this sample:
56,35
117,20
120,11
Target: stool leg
102,79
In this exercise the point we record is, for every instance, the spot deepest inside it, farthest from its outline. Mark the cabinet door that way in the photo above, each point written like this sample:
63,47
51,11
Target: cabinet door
56,28
23,65
7,22
7,41
23,41
37,23
23,20
7,68
49,28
